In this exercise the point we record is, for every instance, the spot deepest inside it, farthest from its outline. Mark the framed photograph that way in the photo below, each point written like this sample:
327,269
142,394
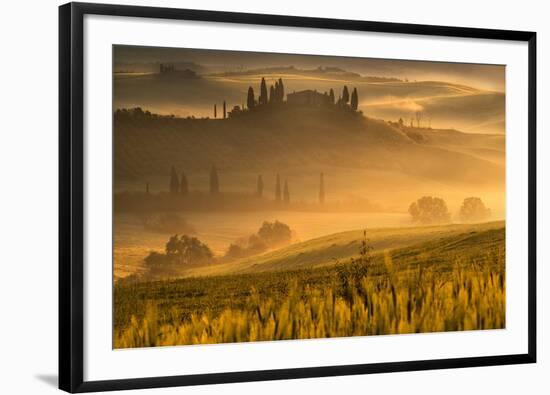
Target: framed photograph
259,197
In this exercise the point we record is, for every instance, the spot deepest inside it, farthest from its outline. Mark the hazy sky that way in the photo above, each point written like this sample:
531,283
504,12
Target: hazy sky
489,77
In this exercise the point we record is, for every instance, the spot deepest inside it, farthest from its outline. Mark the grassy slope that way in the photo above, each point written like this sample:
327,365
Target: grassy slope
324,250
438,248
286,139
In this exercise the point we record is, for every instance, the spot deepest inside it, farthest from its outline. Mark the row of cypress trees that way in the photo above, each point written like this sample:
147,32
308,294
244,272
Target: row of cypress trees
276,94
180,186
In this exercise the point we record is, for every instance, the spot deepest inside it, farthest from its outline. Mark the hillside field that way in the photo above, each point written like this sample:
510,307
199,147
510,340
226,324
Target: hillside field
414,280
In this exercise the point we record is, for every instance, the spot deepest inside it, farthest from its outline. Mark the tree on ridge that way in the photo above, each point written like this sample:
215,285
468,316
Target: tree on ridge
174,182
214,181
345,95
184,187
286,194
278,189
260,186
250,101
322,189
354,100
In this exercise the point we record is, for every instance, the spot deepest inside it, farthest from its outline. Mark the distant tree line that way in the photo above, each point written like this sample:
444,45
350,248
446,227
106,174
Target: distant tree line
178,186
183,250
275,94
433,210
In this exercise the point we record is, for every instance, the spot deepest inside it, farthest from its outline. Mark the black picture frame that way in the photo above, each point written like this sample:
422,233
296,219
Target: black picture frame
71,221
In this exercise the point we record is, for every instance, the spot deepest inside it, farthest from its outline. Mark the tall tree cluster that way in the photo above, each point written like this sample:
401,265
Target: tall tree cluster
278,92
275,94
177,185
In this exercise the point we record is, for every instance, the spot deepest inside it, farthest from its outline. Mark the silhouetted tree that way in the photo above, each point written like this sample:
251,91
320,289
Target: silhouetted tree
331,95
224,110
281,90
272,94
250,101
260,187
278,189
354,99
215,112
429,210
345,95
277,93
473,210
263,92
322,189
286,194
274,233
184,188
174,182
214,181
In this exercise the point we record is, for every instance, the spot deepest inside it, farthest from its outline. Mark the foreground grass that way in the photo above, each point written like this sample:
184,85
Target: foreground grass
448,284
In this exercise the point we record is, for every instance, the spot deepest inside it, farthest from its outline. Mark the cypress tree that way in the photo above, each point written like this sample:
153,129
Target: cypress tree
322,189
215,112
276,92
331,95
263,92
278,189
354,99
260,187
345,95
272,95
281,92
174,182
214,181
224,112
286,195
184,187
250,101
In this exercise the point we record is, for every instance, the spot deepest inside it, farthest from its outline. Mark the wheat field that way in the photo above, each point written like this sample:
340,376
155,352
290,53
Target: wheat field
354,300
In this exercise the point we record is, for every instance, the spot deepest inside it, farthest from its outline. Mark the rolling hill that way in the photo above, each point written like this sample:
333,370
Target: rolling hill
446,104
303,139
414,244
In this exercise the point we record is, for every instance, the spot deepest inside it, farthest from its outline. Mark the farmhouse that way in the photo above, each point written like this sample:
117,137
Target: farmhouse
307,97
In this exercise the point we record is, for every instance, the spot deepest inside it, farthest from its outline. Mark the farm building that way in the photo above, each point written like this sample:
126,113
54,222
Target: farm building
307,97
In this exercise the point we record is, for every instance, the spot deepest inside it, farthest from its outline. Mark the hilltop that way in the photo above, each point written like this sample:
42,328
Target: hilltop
287,138
446,103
